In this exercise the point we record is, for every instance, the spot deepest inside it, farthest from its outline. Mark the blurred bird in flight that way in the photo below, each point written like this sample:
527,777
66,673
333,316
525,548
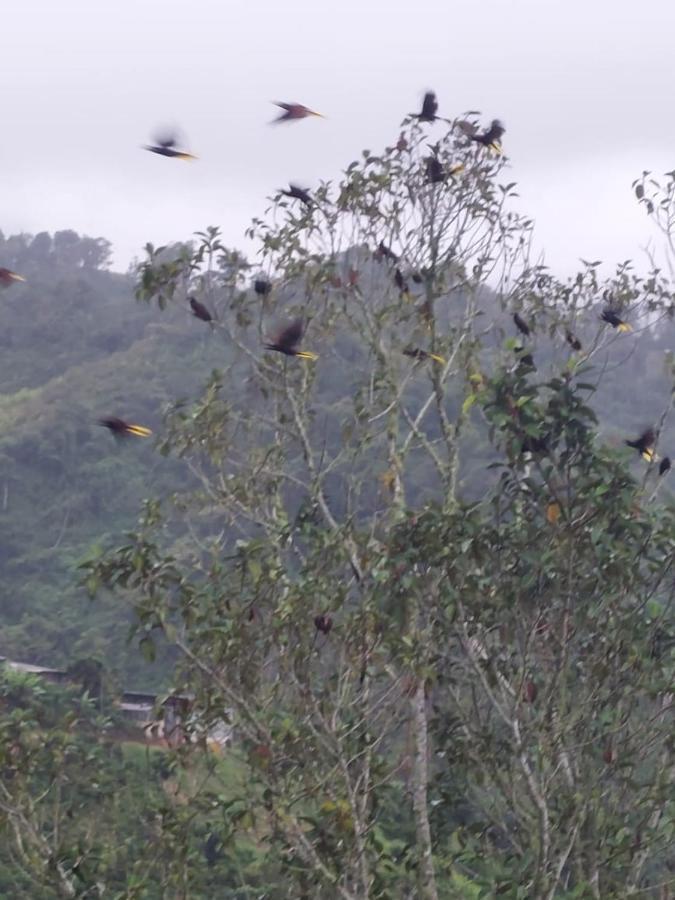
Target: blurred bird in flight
293,111
287,339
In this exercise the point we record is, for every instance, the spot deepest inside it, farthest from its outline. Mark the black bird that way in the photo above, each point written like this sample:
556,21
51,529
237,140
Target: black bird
384,252
287,339
262,287
121,429
200,311
416,353
491,137
524,358
323,623
614,319
429,108
400,281
573,341
211,850
435,171
298,193
521,325
665,465
166,146
645,445
534,445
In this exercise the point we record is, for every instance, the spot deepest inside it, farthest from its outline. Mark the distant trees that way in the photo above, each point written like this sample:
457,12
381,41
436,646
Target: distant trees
65,248
436,604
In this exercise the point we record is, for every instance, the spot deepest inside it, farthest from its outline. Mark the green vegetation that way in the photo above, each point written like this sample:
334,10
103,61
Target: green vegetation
434,596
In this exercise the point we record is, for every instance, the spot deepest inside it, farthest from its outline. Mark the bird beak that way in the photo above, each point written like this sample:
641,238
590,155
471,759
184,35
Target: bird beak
187,156
307,354
139,430
16,277
319,115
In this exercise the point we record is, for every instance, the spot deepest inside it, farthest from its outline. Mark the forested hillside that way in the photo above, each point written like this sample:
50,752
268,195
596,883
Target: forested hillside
76,346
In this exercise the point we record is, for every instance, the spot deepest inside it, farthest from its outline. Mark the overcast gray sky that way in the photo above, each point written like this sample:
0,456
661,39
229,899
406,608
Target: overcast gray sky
585,90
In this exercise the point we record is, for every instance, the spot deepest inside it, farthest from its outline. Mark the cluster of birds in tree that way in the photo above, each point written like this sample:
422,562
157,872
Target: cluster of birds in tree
287,340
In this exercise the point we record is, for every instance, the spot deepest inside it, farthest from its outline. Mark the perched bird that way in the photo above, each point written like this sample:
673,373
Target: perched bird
612,318
524,358
521,325
121,429
323,623
429,108
294,111
402,143
8,277
573,341
400,282
490,138
435,172
384,252
262,287
287,339
297,193
416,353
534,445
200,311
665,465
165,145
645,445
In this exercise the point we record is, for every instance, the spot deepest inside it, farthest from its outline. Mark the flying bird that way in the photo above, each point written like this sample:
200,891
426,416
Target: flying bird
645,445
121,429
287,339
262,287
429,108
294,111
491,138
665,465
612,318
166,145
521,325
200,311
573,341
8,277
419,355
297,193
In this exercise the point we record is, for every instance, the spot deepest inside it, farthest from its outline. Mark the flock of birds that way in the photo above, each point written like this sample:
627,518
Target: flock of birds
289,337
